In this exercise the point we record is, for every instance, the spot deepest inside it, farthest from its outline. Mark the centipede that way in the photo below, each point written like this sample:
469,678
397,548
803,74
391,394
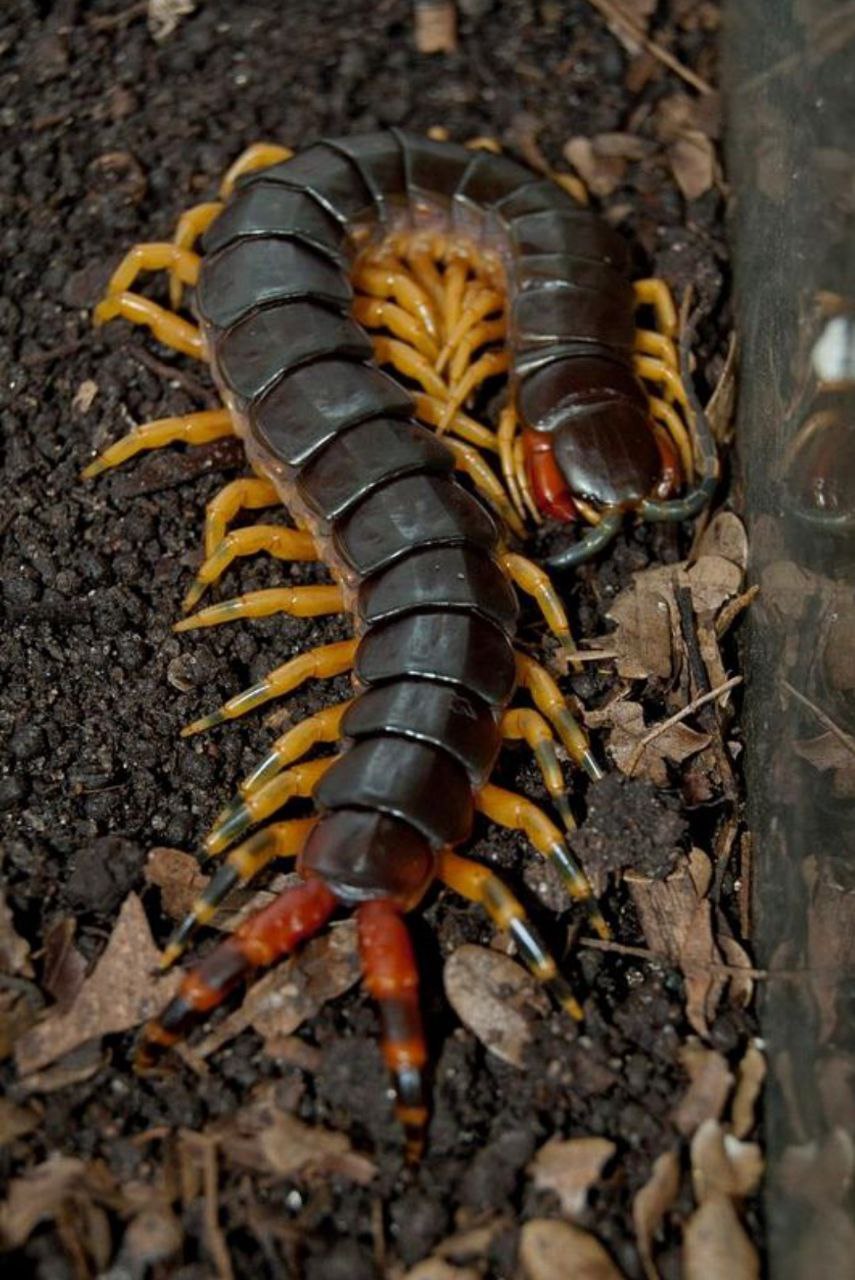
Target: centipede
354,302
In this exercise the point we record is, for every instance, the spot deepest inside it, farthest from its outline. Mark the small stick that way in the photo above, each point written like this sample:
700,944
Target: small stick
840,734
618,18
675,719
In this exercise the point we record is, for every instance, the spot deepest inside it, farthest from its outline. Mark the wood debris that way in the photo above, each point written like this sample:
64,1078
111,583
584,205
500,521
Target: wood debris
571,1168
495,998
123,990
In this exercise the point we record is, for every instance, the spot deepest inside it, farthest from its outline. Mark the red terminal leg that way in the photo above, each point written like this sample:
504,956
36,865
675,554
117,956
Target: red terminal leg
297,914
391,976
550,489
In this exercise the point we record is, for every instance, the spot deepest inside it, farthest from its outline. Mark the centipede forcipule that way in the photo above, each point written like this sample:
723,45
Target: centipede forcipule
450,267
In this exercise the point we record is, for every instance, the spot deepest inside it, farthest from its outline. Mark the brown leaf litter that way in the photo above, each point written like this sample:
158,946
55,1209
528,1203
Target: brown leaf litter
571,1168
552,1250
495,998
123,990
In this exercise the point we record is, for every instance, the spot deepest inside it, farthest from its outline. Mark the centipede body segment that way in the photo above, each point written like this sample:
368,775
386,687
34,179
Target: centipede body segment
351,300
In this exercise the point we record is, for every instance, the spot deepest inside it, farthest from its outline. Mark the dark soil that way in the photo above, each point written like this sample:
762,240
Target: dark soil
107,137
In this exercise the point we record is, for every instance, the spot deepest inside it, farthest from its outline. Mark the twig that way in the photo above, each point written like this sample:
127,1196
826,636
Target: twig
840,734
616,17
216,1241
186,380
676,718
644,953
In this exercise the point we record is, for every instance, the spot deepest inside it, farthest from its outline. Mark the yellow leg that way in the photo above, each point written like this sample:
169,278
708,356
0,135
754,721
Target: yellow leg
279,840
521,474
650,343
377,313
530,726
480,885
169,329
318,664
324,726
412,365
653,370
240,815
483,143
275,539
384,282
191,225
430,410
676,428
477,305
298,602
519,814
246,494
260,155
470,462
531,579
452,302
181,263
479,336
196,428
656,294
506,438
424,270
488,366
548,699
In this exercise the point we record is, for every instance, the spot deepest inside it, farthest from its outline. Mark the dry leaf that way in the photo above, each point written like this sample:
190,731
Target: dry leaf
602,174
265,1138
165,15
64,966
15,1121
692,160
436,1269
495,998
570,1169
715,1245
740,984
677,922
123,991
722,1165
709,1088
626,721
551,1250
45,1192
647,625
436,27
290,994
179,877
651,1204
14,951
750,1075
73,1068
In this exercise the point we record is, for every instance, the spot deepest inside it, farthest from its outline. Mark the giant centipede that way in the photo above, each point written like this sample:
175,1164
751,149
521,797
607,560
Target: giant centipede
352,301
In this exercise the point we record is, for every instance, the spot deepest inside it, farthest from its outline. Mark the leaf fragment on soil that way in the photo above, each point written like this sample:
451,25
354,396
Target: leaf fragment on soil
571,1168
293,992
715,1245
46,1190
710,1084
495,998
651,1204
750,1075
123,991
14,951
722,1165
551,1250
269,1140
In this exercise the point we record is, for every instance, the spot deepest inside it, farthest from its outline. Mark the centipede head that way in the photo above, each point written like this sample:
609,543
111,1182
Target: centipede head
588,436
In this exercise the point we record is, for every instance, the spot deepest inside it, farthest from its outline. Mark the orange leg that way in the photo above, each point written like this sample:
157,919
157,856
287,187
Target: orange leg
297,602
245,493
531,579
192,224
477,883
296,915
169,329
260,155
181,263
195,428
277,540
317,664
323,726
279,840
547,697
242,813
391,976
